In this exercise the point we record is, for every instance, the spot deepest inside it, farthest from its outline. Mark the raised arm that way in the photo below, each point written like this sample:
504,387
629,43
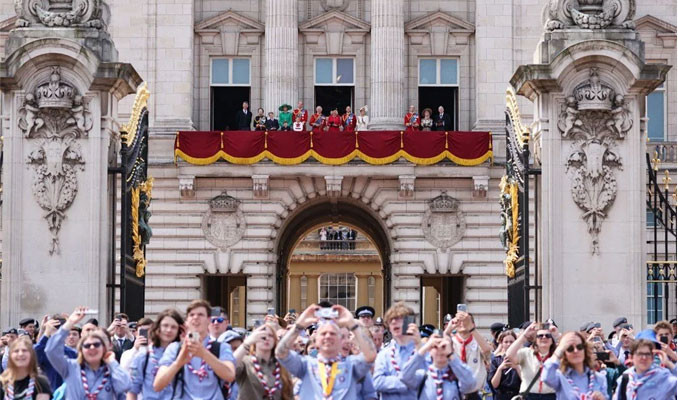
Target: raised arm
362,338
170,365
304,321
519,343
224,369
55,344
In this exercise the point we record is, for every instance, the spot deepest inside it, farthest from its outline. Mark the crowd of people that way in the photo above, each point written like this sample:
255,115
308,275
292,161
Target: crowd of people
337,238
328,352
300,120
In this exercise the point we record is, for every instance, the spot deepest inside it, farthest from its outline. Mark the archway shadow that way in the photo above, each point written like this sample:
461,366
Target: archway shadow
324,211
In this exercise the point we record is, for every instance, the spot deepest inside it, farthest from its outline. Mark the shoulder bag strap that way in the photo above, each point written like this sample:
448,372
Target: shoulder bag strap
534,380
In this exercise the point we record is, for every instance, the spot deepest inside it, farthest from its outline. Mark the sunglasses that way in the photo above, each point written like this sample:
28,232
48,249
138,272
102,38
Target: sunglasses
578,347
217,320
88,346
544,336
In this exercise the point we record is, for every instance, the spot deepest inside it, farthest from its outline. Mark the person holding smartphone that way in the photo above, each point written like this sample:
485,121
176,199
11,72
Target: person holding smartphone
393,357
471,347
504,376
200,369
645,380
570,371
444,377
531,360
95,374
664,333
140,343
166,329
329,375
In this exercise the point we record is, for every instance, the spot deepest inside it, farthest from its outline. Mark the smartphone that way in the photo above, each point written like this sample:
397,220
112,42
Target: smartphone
143,332
597,339
407,320
438,332
271,311
664,339
448,318
462,307
257,323
91,311
21,332
292,311
547,325
61,322
603,355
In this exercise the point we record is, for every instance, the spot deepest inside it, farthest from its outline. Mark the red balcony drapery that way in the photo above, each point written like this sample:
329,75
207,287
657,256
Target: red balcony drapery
333,148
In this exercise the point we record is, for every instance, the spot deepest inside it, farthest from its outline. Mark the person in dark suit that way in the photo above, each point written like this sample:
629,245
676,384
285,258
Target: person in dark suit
243,120
121,337
442,121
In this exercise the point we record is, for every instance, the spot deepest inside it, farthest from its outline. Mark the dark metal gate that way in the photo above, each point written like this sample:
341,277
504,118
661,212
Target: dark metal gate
515,232
661,268
135,195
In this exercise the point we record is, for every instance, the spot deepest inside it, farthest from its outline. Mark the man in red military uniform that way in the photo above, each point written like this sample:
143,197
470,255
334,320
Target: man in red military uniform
349,120
300,110
412,120
334,122
317,120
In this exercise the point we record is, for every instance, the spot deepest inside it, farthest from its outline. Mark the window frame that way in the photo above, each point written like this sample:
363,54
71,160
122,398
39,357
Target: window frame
352,276
438,72
661,88
230,72
334,71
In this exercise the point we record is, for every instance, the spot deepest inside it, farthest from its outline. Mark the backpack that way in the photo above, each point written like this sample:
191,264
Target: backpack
215,349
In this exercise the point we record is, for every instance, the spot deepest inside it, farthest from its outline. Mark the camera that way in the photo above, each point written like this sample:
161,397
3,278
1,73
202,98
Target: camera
664,339
193,336
448,318
271,311
327,313
257,323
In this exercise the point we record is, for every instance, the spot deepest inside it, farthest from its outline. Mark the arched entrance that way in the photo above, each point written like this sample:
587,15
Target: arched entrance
342,213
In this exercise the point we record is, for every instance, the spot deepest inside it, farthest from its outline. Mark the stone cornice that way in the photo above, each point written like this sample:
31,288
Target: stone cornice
351,23
424,23
665,31
211,24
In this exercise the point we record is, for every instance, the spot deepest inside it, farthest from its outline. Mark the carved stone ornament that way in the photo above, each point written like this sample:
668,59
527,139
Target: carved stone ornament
224,223
443,223
330,5
595,118
59,13
589,14
55,117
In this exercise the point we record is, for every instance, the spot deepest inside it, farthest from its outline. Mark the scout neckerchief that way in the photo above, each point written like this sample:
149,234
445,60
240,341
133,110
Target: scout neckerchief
463,344
277,384
439,378
154,361
541,366
28,393
327,382
201,372
575,389
85,385
636,383
394,361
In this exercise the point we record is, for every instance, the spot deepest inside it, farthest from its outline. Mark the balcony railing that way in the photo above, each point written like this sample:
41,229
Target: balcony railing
317,246
665,151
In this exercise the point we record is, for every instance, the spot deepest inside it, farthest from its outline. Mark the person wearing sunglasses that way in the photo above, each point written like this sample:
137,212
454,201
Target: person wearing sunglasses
444,377
645,380
219,324
570,371
531,360
95,374
166,329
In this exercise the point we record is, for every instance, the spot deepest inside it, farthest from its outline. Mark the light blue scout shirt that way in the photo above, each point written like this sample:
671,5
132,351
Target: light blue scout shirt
552,376
413,374
387,381
118,382
142,381
658,383
350,370
194,388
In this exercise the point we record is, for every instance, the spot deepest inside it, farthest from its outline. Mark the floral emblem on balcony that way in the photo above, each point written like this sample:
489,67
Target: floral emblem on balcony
223,224
444,223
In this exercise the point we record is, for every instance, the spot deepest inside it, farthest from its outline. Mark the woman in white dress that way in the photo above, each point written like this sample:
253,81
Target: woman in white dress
363,120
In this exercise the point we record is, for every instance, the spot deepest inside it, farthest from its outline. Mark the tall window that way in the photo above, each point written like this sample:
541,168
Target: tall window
334,80
338,289
371,291
229,87
304,292
439,86
656,112
652,305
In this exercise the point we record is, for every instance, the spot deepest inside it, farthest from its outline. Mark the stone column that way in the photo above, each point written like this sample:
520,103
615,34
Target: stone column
363,295
294,298
281,49
379,296
311,289
430,306
589,87
388,65
59,107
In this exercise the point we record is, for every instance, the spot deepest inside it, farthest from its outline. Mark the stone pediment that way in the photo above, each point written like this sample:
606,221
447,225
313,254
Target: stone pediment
439,19
438,27
230,26
665,31
334,21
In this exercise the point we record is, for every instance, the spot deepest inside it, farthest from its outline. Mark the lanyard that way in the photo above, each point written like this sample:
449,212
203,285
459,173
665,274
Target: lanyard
328,383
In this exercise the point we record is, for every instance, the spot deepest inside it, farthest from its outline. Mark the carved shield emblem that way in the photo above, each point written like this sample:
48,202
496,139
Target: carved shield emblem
223,224
444,224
